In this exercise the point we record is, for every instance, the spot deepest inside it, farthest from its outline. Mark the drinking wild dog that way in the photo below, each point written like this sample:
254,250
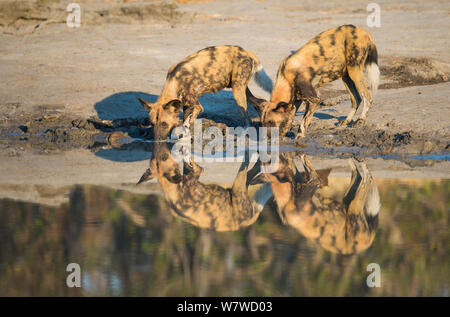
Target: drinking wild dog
342,52
207,206
206,71
344,227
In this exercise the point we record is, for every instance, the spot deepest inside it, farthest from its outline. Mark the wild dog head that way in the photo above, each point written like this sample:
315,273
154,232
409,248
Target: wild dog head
208,206
347,226
278,115
163,116
162,166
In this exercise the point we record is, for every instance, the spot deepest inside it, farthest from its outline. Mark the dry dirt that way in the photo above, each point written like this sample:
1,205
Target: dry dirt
74,89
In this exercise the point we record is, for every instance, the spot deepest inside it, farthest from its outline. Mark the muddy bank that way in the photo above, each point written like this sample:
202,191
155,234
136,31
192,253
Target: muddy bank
49,127
389,130
55,133
48,177
24,17
401,72
369,141
68,88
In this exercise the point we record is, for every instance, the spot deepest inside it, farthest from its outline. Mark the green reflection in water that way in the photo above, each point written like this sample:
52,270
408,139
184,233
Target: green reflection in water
130,245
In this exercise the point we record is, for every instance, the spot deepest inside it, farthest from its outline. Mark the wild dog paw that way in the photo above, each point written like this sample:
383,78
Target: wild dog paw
342,123
358,123
300,135
187,122
302,158
300,143
299,140
247,123
186,153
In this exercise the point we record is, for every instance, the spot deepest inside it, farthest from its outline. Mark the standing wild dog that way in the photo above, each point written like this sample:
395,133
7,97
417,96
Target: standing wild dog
207,206
342,52
344,227
207,71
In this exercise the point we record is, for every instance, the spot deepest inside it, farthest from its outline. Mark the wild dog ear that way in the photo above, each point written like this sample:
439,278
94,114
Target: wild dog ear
282,216
174,176
258,179
261,106
283,107
146,104
148,175
323,174
173,105
258,103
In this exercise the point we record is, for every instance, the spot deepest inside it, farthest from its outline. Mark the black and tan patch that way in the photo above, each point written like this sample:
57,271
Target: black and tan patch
339,52
339,226
206,71
207,206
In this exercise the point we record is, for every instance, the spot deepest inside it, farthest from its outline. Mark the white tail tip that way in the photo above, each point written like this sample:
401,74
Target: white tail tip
263,80
373,74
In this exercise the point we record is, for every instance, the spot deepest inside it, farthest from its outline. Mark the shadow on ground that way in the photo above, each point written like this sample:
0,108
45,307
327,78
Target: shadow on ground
129,119
219,107
321,116
123,105
134,152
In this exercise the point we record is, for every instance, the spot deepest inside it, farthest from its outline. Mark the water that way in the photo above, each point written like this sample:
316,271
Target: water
147,241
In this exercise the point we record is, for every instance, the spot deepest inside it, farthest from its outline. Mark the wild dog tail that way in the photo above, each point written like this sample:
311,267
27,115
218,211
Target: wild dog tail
371,64
372,205
262,79
260,198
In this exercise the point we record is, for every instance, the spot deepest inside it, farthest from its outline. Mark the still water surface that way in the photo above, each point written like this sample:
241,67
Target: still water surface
299,231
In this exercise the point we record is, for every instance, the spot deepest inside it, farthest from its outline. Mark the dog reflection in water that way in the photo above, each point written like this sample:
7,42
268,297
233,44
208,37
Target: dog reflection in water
345,227
207,206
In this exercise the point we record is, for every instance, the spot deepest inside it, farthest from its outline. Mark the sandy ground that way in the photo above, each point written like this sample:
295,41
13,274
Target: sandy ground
127,46
59,83
48,179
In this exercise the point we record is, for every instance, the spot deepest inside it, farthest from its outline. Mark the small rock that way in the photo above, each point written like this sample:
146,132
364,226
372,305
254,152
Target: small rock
428,147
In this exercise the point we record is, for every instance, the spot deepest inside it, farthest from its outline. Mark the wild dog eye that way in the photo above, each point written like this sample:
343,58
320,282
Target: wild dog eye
271,123
164,125
283,125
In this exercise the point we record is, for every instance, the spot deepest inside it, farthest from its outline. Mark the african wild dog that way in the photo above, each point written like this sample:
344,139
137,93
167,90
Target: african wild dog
208,206
346,226
207,71
342,52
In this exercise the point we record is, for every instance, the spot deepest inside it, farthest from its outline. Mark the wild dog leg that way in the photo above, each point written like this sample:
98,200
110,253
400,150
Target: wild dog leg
191,113
239,191
241,99
240,182
192,167
312,102
357,76
310,172
255,170
356,195
354,183
257,103
311,107
355,98
372,197
240,77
